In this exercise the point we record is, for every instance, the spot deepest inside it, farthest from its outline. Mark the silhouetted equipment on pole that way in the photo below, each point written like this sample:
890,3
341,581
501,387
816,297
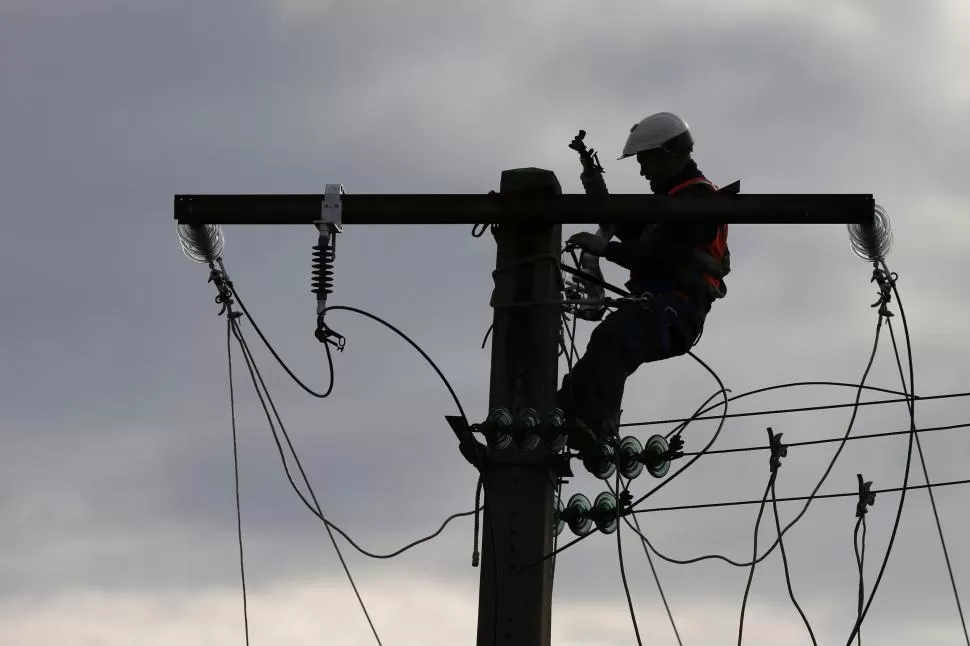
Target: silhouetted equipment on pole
521,461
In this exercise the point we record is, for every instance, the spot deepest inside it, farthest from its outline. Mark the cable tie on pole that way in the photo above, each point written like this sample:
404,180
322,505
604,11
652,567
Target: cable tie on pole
778,450
867,497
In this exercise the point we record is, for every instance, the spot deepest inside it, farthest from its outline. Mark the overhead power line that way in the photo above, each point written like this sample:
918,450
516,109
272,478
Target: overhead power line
779,411
821,496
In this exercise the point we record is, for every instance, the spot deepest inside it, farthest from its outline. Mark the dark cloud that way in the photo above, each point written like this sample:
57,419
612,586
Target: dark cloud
117,470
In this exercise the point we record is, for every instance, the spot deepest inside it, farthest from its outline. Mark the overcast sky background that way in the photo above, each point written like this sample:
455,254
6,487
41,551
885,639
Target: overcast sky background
116,488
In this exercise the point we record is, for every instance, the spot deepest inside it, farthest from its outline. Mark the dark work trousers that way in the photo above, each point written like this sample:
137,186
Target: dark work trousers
661,327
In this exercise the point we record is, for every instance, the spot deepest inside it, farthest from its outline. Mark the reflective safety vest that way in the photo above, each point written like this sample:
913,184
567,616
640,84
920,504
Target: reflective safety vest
709,263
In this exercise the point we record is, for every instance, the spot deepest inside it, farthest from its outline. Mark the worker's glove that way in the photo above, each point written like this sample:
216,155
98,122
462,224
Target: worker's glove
588,242
590,264
593,184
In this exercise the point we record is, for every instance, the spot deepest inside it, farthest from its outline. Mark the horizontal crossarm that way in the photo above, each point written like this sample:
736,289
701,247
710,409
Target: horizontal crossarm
497,209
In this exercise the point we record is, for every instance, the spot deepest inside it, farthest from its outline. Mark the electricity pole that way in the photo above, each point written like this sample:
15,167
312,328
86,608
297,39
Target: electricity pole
515,608
515,595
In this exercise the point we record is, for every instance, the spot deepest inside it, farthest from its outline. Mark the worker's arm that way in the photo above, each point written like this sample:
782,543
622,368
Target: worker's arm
668,248
668,245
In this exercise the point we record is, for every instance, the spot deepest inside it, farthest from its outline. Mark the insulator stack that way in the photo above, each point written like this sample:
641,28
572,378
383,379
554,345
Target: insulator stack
201,243
527,429
872,242
582,517
552,435
576,515
630,457
497,428
324,254
603,463
604,512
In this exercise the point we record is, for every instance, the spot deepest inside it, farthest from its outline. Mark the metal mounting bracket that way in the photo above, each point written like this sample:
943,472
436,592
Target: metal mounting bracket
331,209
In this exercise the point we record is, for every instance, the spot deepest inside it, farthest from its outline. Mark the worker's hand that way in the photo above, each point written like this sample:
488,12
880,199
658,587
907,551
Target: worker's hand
589,242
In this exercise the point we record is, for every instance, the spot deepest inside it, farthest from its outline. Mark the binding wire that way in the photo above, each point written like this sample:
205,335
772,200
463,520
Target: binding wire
201,243
872,242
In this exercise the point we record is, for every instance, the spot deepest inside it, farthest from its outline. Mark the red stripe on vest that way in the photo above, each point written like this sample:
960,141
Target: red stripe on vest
715,248
695,180
719,245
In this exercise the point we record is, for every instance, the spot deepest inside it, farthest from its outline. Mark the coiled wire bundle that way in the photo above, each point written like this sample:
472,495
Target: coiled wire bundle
201,243
872,242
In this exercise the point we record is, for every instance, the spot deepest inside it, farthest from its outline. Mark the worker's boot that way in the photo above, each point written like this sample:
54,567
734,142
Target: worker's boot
611,428
596,450
579,436
601,462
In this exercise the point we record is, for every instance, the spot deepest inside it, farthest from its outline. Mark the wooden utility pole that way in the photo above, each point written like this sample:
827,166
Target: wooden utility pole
515,608
515,600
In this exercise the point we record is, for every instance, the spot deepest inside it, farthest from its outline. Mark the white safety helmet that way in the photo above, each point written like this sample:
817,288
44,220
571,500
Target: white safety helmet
655,131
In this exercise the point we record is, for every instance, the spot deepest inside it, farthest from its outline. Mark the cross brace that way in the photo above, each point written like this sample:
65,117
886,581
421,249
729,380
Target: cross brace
495,208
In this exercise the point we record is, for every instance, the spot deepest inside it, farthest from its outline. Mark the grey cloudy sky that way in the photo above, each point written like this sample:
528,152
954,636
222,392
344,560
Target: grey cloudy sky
116,471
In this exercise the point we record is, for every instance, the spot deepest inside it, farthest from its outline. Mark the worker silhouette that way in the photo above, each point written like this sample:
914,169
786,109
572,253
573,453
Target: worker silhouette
678,268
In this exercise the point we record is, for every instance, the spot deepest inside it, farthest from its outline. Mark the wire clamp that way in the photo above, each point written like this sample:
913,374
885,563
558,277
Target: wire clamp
224,285
867,497
324,334
886,283
675,448
778,450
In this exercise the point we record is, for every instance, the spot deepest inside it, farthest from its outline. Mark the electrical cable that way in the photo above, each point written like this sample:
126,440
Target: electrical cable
799,409
784,560
570,352
425,356
697,412
409,545
820,496
829,440
478,233
461,410
926,475
860,556
653,570
619,549
235,464
888,276
410,342
362,313
754,561
855,405
723,390
255,375
232,328
317,512
872,357
890,279
478,505
282,363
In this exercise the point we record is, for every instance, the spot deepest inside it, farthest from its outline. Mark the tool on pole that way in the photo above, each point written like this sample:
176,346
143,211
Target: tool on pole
595,186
